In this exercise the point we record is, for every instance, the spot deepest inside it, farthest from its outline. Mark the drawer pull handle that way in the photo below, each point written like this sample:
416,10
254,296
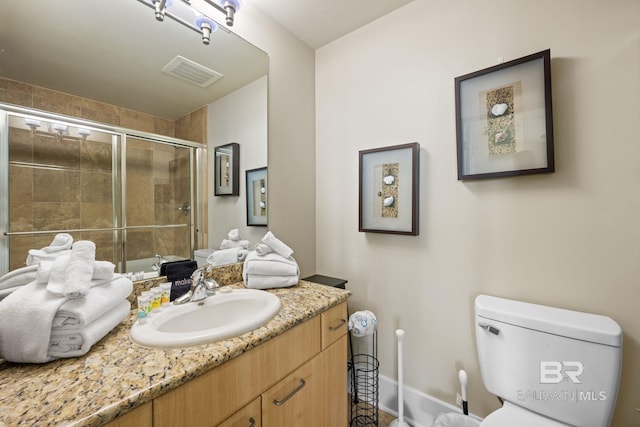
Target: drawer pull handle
252,421
290,395
335,328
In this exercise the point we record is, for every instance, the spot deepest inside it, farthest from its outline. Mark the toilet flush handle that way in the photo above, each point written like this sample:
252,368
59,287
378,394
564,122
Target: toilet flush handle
489,328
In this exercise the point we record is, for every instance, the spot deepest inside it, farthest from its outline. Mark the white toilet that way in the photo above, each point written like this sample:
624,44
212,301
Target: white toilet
552,367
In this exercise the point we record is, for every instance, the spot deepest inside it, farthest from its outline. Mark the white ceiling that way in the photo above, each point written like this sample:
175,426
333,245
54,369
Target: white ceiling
318,22
92,49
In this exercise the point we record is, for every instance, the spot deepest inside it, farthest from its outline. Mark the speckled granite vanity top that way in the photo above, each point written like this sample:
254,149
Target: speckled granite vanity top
118,375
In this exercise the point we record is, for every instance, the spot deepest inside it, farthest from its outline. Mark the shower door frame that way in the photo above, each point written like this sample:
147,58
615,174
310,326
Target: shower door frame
197,152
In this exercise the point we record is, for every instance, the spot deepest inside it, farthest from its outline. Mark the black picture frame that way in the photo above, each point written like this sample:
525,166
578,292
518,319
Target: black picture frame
389,190
227,170
504,119
257,197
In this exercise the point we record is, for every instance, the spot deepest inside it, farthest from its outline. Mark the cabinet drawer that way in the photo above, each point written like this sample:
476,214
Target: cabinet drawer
210,398
248,416
139,417
334,324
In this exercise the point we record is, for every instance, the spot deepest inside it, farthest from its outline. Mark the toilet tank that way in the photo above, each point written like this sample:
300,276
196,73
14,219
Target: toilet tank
559,363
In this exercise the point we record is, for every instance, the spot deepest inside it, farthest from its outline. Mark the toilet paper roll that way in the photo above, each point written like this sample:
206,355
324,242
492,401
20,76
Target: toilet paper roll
362,323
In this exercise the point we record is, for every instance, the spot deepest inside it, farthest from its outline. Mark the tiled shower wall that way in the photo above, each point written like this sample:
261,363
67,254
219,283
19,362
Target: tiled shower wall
81,197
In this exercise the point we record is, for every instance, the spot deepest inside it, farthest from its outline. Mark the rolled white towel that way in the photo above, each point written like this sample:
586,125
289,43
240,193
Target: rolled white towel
234,235
62,241
77,273
228,244
18,277
74,343
277,245
262,249
242,255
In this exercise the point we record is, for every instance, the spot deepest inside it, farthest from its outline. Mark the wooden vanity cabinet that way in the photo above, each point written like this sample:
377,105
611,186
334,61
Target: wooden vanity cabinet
228,395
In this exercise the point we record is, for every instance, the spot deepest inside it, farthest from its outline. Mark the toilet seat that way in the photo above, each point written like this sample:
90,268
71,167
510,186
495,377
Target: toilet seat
513,415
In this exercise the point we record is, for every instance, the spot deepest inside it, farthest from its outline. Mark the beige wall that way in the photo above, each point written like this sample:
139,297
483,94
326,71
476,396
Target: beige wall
291,152
569,239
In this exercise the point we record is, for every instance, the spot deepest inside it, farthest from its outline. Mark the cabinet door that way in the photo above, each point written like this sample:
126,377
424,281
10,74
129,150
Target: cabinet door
139,417
315,395
249,416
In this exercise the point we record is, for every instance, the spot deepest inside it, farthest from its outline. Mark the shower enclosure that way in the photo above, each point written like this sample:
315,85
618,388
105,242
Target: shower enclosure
129,192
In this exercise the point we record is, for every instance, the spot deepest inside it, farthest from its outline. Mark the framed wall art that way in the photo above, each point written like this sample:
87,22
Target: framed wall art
504,122
227,170
257,196
388,193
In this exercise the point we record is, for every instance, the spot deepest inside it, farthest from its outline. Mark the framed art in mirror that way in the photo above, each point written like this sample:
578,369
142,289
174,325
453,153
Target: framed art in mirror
257,196
227,170
389,189
504,122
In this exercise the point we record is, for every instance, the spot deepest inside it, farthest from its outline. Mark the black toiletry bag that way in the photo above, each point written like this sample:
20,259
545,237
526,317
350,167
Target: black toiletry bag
179,275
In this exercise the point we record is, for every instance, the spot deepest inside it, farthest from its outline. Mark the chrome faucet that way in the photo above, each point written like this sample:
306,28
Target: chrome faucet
158,264
201,288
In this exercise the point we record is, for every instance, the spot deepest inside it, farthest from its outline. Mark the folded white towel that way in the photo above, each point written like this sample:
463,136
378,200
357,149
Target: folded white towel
228,244
8,291
61,242
59,246
277,245
74,343
225,256
270,264
234,235
26,317
269,282
262,249
36,256
19,277
104,295
102,270
78,271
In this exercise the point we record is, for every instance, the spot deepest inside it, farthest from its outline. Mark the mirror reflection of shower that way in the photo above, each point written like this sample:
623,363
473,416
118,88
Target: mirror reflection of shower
116,187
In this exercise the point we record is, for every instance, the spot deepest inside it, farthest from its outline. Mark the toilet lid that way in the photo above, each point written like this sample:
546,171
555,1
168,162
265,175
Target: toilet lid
512,415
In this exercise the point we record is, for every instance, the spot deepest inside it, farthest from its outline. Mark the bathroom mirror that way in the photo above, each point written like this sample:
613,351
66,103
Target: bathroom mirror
115,53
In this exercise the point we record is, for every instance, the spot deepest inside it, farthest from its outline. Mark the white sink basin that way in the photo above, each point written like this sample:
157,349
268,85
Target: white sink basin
221,316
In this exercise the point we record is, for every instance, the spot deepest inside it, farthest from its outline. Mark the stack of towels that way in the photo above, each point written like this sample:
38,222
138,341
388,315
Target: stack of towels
270,265
70,305
232,250
14,280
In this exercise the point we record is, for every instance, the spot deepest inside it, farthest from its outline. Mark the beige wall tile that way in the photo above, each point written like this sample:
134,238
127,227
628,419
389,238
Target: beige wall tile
56,185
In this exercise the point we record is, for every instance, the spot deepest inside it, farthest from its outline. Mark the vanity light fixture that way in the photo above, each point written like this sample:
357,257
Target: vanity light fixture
60,129
202,24
33,124
84,133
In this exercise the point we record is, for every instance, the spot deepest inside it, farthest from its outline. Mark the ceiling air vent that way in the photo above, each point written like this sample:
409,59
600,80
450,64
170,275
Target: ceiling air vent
191,72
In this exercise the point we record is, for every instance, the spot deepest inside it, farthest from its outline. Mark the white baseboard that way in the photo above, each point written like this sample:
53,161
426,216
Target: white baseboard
420,409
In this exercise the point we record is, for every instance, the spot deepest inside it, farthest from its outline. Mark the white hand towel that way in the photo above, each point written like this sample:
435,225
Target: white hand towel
18,277
8,291
270,264
77,273
269,282
36,256
262,249
277,245
74,343
224,256
79,312
26,317
234,235
228,244
102,270
61,242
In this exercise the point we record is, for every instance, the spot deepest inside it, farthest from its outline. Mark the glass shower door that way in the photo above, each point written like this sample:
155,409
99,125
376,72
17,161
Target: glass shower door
158,198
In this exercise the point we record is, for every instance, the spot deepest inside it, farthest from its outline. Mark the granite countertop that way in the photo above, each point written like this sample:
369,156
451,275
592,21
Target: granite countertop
117,375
